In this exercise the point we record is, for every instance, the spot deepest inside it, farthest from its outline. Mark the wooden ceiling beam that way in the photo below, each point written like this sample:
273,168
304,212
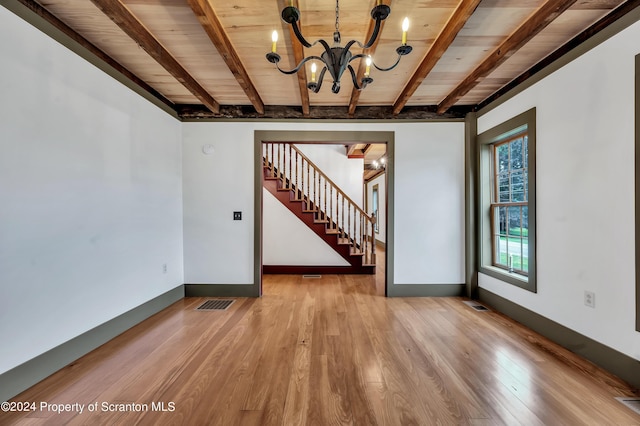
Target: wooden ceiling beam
617,13
355,93
281,112
367,148
212,26
455,23
536,22
298,55
128,23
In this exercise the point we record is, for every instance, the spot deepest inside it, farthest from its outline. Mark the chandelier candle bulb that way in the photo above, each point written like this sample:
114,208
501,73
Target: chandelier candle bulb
367,70
405,28
274,41
313,72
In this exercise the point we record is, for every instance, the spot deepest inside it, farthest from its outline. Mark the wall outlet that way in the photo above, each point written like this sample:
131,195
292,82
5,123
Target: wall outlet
589,299
164,268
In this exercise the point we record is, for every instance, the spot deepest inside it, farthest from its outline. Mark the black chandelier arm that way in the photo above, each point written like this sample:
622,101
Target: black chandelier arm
389,68
362,55
297,68
326,48
365,80
374,35
299,35
354,78
358,56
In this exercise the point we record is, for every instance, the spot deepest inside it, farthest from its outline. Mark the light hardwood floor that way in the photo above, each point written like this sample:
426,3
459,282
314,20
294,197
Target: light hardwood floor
332,351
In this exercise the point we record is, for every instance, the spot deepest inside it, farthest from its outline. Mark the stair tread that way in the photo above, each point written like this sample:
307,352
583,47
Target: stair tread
333,231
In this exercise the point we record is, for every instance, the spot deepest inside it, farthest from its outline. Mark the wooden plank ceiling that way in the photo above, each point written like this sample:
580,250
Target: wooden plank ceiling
206,58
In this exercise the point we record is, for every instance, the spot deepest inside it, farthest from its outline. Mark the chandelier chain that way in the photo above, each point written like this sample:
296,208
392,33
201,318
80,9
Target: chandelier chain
337,16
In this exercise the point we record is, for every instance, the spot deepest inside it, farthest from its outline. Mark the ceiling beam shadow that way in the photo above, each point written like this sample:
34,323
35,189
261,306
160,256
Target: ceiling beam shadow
211,24
128,23
455,23
536,22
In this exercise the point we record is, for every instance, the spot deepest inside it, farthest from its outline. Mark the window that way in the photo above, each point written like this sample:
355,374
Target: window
507,201
509,205
374,199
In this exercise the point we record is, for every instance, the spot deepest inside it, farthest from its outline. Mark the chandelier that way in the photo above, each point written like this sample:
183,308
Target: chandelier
337,59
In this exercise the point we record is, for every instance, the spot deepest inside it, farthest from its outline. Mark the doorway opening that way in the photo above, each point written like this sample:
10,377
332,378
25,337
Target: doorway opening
385,180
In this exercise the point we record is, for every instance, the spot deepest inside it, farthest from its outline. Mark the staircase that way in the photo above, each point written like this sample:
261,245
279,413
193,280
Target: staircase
307,192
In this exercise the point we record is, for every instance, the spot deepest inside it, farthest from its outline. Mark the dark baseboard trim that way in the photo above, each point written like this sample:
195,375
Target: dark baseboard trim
623,366
426,290
33,371
221,290
314,270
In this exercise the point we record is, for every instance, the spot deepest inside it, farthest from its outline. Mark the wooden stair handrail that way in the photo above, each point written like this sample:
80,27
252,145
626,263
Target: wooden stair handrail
337,188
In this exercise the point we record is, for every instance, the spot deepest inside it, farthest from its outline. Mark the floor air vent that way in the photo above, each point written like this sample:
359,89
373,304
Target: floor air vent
312,276
215,305
475,305
632,403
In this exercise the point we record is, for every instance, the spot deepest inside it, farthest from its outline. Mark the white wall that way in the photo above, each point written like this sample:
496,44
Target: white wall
217,249
429,190
286,240
585,193
90,196
343,171
429,204
382,208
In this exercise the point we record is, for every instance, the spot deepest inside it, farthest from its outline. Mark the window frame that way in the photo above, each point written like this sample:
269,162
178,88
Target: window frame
486,142
375,206
637,186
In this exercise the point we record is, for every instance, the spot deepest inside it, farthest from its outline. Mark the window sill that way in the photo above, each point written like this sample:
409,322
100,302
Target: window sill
508,277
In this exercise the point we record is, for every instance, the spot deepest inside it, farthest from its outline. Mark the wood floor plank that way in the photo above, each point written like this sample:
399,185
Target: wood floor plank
296,406
332,351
